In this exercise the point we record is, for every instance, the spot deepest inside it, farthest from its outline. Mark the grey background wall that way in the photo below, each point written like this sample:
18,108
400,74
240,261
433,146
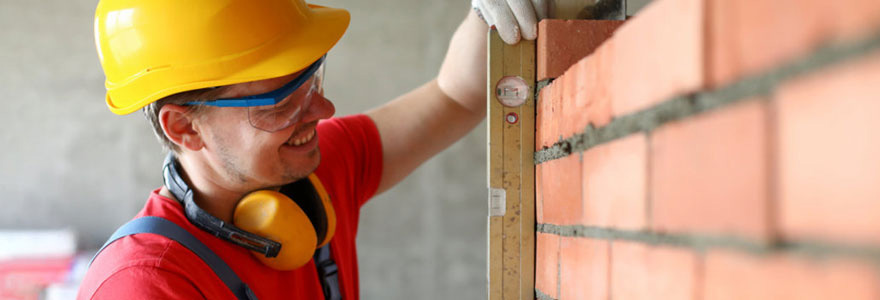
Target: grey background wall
68,162
426,238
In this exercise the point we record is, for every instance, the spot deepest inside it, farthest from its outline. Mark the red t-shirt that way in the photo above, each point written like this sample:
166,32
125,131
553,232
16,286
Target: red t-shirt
148,266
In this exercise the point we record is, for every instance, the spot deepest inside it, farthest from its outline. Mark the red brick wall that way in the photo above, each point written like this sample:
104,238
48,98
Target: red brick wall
711,149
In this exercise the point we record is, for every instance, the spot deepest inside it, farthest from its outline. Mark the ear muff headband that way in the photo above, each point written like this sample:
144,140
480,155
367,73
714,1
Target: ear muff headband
330,213
205,221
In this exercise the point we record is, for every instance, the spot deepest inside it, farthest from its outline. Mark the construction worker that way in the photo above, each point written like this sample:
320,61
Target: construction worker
263,186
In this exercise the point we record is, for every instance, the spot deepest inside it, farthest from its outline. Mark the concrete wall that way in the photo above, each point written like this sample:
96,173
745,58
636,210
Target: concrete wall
68,162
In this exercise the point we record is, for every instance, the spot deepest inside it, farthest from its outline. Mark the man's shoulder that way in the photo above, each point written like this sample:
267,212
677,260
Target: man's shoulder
132,262
351,158
145,248
141,249
145,262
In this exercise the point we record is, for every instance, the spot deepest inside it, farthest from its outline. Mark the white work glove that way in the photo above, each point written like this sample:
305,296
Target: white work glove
512,18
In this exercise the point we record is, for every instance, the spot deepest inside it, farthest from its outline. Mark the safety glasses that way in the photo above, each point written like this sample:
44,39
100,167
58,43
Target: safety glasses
278,109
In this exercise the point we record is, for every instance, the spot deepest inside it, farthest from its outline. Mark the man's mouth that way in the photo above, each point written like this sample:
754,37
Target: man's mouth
302,138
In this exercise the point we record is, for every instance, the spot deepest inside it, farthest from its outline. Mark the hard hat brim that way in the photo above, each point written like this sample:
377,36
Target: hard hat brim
282,56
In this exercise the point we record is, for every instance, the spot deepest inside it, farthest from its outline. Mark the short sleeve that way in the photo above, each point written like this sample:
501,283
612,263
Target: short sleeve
351,157
143,282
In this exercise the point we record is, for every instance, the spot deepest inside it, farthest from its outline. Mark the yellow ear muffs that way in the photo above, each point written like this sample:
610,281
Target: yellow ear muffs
300,226
272,215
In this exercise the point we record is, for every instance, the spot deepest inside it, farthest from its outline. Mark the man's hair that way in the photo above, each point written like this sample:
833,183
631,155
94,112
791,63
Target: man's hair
151,111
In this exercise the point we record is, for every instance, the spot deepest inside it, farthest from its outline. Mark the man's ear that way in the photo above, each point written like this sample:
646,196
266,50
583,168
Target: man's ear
178,127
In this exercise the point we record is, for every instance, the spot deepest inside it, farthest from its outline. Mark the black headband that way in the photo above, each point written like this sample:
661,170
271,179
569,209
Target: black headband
202,219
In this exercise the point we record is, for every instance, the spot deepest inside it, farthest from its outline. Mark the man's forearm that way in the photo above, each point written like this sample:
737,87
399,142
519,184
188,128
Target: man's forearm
462,76
415,127
419,124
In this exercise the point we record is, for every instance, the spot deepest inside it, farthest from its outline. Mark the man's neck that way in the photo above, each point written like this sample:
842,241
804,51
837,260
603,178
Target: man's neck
213,198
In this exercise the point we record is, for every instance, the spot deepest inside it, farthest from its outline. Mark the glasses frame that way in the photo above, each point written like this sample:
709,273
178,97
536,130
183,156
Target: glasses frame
268,98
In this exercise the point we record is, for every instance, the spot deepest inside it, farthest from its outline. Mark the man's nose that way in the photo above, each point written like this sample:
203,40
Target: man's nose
319,108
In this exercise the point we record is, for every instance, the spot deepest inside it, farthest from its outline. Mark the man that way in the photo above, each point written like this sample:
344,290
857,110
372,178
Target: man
234,90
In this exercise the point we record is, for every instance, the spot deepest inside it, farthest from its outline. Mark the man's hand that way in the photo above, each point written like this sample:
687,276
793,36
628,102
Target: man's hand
514,19
462,76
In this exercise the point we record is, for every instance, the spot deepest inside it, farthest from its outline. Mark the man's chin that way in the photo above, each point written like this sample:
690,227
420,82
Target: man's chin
299,171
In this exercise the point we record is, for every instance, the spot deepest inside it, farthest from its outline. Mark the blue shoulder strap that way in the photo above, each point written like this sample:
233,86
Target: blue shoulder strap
163,227
327,272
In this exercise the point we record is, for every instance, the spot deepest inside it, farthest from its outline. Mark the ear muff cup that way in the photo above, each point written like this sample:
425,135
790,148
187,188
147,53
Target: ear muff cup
313,199
301,223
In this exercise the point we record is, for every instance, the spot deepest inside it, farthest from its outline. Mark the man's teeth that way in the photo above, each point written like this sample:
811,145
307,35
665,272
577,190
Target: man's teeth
303,140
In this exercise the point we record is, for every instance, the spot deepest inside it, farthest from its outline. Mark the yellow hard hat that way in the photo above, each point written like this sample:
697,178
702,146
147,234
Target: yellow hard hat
152,49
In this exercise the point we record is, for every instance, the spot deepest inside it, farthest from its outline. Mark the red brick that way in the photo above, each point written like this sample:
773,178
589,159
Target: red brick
544,111
559,114
573,119
561,191
582,94
561,43
554,104
749,36
829,153
732,276
592,93
640,271
585,90
546,263
539,125
614,184
584,269
618,78
539,195
709,173
657,54
548,117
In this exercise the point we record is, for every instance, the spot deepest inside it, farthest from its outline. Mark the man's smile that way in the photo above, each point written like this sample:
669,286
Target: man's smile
298,140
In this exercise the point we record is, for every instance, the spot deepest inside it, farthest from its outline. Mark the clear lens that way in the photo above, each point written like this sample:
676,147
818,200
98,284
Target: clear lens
319,77
290,110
